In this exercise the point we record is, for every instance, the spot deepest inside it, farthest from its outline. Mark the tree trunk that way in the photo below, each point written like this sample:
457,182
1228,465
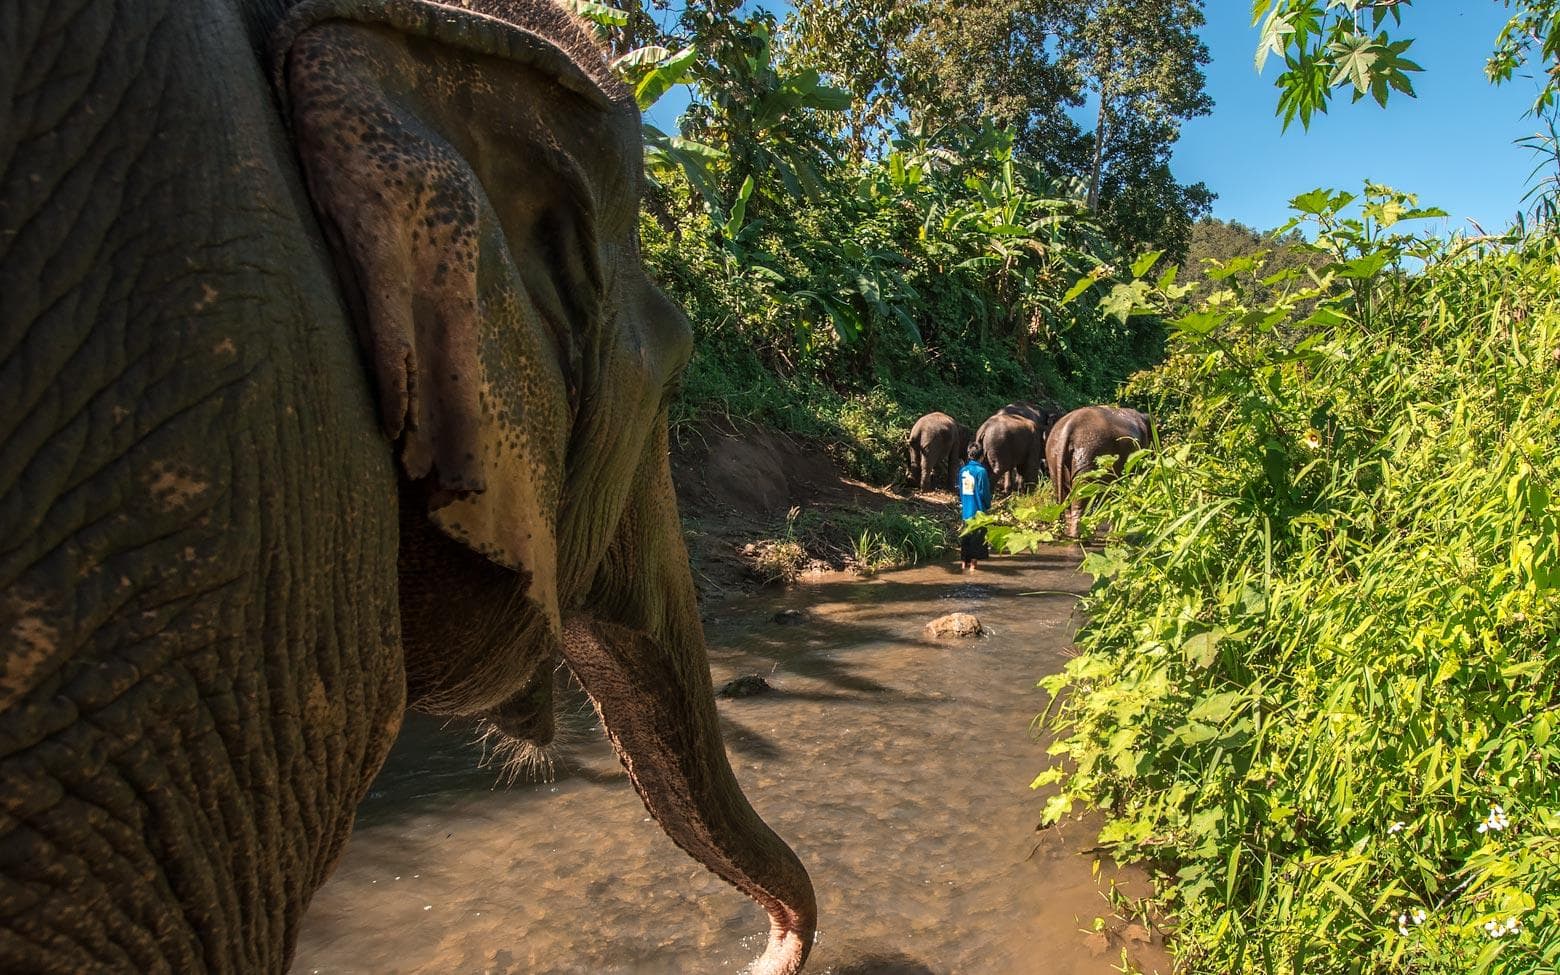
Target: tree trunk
1099,155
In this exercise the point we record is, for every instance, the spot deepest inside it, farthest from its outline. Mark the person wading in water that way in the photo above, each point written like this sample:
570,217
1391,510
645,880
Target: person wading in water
974,498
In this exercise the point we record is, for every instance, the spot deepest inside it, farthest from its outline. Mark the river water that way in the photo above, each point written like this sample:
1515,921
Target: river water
897,768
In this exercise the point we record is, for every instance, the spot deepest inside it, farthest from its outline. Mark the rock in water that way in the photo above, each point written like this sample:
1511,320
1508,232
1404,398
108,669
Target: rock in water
747,685
789,617
961,625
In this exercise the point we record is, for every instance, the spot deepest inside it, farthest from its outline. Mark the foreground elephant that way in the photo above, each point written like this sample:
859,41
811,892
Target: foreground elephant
333,384
1083,436
936,439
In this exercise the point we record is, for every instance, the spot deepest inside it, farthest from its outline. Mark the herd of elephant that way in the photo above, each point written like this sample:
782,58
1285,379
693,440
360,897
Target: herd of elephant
1021,441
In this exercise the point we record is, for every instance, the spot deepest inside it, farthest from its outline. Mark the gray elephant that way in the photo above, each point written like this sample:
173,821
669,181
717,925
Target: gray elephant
333,385
1013,439
1083,436
936,442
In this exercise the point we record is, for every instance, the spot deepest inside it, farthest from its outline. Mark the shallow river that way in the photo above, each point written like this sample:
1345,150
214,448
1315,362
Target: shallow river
898,769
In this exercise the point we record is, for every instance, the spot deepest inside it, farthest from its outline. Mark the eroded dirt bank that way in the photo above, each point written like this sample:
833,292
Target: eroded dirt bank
736,486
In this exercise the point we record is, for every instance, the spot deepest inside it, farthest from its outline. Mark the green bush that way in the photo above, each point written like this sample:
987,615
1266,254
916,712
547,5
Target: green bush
1320,686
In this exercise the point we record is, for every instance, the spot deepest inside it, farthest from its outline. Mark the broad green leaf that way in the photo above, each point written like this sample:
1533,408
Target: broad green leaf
1219,270
1079,287
1199,322
1055,808
1203,649
1215,707
600,13
650,54
660,79
1366,266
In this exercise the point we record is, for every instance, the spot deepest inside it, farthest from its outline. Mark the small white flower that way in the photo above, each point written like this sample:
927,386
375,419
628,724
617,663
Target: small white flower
1496,821
1415,917
1396,827
1496,928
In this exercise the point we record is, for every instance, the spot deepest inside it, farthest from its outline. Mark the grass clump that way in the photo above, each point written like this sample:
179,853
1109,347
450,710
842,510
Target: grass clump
1320,689
890,538
870,541
779,560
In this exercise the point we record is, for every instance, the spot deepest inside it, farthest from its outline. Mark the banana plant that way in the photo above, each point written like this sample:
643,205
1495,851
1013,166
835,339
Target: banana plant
761,112
651,71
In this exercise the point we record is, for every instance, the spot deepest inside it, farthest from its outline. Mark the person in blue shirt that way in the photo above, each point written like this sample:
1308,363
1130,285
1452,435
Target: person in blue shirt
974,497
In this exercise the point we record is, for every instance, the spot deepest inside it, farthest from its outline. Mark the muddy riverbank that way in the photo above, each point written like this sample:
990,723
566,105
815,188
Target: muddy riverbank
897,768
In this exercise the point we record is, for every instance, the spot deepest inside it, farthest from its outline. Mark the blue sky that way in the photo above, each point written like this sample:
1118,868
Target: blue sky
1453,145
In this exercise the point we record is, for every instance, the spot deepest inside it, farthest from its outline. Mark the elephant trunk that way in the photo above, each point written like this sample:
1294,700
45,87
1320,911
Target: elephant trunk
659,712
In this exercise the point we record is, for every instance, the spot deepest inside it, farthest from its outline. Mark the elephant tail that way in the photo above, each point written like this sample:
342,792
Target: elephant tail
1062,477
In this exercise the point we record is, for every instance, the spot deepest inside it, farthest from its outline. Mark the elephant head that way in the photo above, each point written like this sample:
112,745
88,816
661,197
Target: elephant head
265,543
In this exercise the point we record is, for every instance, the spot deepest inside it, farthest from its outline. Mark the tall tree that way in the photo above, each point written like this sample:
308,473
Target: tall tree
997,59
860,45
1141,62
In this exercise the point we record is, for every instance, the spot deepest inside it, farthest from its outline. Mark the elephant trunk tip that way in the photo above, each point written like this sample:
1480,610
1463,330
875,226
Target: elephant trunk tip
790,940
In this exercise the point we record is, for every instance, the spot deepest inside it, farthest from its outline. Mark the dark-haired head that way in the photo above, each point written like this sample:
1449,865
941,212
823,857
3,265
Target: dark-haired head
975,452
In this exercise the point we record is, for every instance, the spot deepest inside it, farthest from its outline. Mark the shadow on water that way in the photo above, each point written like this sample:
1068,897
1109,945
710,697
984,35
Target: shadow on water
886,965
897,767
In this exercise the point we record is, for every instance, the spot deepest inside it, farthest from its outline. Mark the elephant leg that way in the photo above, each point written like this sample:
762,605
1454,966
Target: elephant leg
640,655
1082,460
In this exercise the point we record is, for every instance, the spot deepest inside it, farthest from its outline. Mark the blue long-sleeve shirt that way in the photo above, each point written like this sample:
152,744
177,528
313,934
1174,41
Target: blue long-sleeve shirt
974,489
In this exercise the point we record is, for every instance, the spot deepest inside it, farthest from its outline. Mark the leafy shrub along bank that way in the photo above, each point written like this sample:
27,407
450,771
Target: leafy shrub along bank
1320,686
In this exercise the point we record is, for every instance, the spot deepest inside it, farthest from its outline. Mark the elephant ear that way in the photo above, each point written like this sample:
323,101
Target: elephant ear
465,238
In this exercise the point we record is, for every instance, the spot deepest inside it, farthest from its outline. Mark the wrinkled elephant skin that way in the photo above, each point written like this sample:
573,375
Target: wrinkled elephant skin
335,385
1080,438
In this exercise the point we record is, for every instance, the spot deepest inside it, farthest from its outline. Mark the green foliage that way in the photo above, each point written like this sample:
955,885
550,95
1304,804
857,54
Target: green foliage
1320,686
930,280
872,541
839,294
1333,44
1215,243
1536,23
1026,65
1543,194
